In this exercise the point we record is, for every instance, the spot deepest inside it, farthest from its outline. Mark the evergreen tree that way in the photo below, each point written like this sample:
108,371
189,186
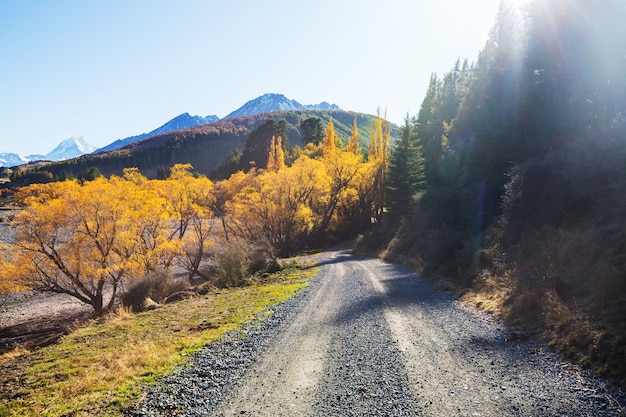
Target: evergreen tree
312,131
259,142
405,175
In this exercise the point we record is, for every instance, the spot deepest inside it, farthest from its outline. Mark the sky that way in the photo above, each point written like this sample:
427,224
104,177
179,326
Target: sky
109,69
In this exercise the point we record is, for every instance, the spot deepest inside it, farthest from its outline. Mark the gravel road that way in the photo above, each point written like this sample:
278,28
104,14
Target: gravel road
368,338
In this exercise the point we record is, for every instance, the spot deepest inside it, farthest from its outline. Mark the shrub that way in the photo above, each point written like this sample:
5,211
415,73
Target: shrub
232,265
156,286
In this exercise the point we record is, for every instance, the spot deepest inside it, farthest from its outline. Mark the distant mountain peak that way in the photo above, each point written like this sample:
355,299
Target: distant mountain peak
70,148
182,121
272,102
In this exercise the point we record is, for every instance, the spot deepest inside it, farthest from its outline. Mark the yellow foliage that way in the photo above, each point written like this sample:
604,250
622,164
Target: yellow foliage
353,143
330,138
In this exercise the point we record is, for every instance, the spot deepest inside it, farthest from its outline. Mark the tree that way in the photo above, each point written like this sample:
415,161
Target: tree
353,143
258,143
275,208
312,131
276,157
405,175
380,133
329,138
80,240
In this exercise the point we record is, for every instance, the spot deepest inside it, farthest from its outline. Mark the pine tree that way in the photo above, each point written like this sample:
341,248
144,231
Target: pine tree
405,176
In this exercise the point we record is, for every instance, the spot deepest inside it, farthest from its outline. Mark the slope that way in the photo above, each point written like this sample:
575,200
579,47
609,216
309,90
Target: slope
205,147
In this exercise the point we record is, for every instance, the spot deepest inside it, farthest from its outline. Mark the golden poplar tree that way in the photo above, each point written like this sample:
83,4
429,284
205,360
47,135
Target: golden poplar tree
329,138
271,158
276,157
377,148
353,143
279,154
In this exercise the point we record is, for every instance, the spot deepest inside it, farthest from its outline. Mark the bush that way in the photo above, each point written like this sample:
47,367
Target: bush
232,265
156,286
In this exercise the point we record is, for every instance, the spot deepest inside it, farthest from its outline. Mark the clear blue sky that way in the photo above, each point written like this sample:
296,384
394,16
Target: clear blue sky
108,69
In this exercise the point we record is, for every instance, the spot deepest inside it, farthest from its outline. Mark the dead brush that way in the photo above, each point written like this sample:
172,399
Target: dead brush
121,315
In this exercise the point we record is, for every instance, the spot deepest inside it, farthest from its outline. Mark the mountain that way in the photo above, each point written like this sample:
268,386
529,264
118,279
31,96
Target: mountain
206,147
268,103
183,121
35,157
11,159
70,148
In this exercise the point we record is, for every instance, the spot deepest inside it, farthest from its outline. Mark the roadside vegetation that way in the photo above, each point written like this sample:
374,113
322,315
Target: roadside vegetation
131,247
99,369
524,161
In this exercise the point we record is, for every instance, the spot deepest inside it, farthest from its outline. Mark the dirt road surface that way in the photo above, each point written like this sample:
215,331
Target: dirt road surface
371,339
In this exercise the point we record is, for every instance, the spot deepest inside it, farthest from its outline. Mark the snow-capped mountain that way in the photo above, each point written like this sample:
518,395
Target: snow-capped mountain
70,148
182,121
35,157
73,147
11,159
276,102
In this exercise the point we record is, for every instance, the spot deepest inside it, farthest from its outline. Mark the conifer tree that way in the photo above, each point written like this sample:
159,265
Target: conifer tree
405,175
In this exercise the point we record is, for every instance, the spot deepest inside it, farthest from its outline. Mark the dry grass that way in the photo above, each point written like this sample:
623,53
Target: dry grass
15,353
490,293
99,369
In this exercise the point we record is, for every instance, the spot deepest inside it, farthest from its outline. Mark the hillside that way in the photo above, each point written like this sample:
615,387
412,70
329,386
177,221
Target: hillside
525,163
205,147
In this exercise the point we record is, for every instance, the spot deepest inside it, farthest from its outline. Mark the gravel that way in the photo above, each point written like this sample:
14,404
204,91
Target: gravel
196,389
370,339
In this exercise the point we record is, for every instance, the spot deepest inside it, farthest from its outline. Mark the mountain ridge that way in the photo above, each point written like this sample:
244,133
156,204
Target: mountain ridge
67,149
182,121
205,147
272,102
266,103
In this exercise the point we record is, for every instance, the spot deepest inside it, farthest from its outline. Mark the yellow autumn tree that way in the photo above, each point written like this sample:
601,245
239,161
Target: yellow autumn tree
185,238
77,239
276,157
353,143
378,148
329,145
341,169
224,191
279,154
276,208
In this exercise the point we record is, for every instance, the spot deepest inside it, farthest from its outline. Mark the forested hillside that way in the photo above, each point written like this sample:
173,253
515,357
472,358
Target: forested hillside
205,147
519,198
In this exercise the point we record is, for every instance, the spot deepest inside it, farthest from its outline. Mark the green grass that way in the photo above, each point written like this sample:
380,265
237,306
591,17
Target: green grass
100,369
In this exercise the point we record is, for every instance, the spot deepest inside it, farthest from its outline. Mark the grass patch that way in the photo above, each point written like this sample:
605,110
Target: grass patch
99,370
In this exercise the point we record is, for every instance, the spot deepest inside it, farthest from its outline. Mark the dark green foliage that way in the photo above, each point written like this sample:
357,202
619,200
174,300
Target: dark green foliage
89,175
312,131
258,144
405,176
